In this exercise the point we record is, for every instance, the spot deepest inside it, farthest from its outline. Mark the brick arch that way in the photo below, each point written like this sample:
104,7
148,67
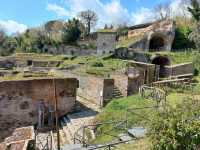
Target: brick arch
157,41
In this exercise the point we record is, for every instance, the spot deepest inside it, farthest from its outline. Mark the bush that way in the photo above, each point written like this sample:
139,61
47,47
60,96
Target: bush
72,33
177,128
181,40
97,64
196,72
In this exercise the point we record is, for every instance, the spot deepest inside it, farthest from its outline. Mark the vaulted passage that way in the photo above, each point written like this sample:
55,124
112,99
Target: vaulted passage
156,43
161,61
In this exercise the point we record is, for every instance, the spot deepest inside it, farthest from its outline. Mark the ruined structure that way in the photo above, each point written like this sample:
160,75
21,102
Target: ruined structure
156,36
106,42
31,101
19,140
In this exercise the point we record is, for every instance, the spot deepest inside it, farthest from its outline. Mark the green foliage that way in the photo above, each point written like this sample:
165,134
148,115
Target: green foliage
177,128
72,32
181,40
122,31
195,36
8,46
97,64
195,9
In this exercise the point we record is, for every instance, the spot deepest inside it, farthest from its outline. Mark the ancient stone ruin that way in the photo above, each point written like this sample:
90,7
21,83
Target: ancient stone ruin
23,102
156,36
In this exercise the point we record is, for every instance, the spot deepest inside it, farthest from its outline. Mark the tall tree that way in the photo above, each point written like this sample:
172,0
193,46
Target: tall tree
2,36
195,10
89,18
162,11
72,31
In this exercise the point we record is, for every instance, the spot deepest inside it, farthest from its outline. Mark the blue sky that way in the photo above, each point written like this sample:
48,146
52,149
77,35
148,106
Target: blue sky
17,15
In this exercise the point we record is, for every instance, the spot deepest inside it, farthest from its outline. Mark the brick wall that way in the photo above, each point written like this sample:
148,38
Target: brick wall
19,101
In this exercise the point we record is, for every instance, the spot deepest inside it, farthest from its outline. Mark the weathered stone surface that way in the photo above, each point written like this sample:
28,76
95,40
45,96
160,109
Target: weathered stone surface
158,35
96,90
125,137
180,69
106,42
19,101
138,132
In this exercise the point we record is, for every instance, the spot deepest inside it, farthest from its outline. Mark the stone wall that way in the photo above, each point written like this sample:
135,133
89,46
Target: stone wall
180,69
37,63
129,83
70,50
106,42
19,101
7,63
148,70
96,90
121,82
163,29
124,53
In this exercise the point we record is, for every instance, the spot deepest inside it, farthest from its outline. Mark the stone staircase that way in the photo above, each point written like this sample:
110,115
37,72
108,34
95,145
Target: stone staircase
72,123
117,93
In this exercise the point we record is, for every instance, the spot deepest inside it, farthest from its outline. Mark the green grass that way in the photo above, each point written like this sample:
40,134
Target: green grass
109,65
127,42
42,57
116,111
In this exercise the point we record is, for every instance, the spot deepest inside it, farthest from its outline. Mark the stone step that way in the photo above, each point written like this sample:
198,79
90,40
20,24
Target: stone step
73,147
125,137
137,132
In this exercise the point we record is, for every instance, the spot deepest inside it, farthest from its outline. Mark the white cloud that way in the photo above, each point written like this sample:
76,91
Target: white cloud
108,13
180,7
12,27
60,11
143,15
113,12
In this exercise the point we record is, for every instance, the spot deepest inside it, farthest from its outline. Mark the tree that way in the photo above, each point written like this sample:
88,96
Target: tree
195,36
163,11
181,40
89,18
54,30
106,26
72,31
111,26
195,10
2,35
8,46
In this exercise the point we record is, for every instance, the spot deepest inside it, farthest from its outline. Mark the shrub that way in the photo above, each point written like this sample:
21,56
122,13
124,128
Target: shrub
181,40
97,64
177,128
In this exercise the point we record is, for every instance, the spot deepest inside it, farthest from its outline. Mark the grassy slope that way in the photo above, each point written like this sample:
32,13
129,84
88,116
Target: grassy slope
115,110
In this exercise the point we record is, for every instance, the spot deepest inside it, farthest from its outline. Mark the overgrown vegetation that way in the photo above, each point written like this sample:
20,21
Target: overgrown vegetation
181,38
177,128
174,127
